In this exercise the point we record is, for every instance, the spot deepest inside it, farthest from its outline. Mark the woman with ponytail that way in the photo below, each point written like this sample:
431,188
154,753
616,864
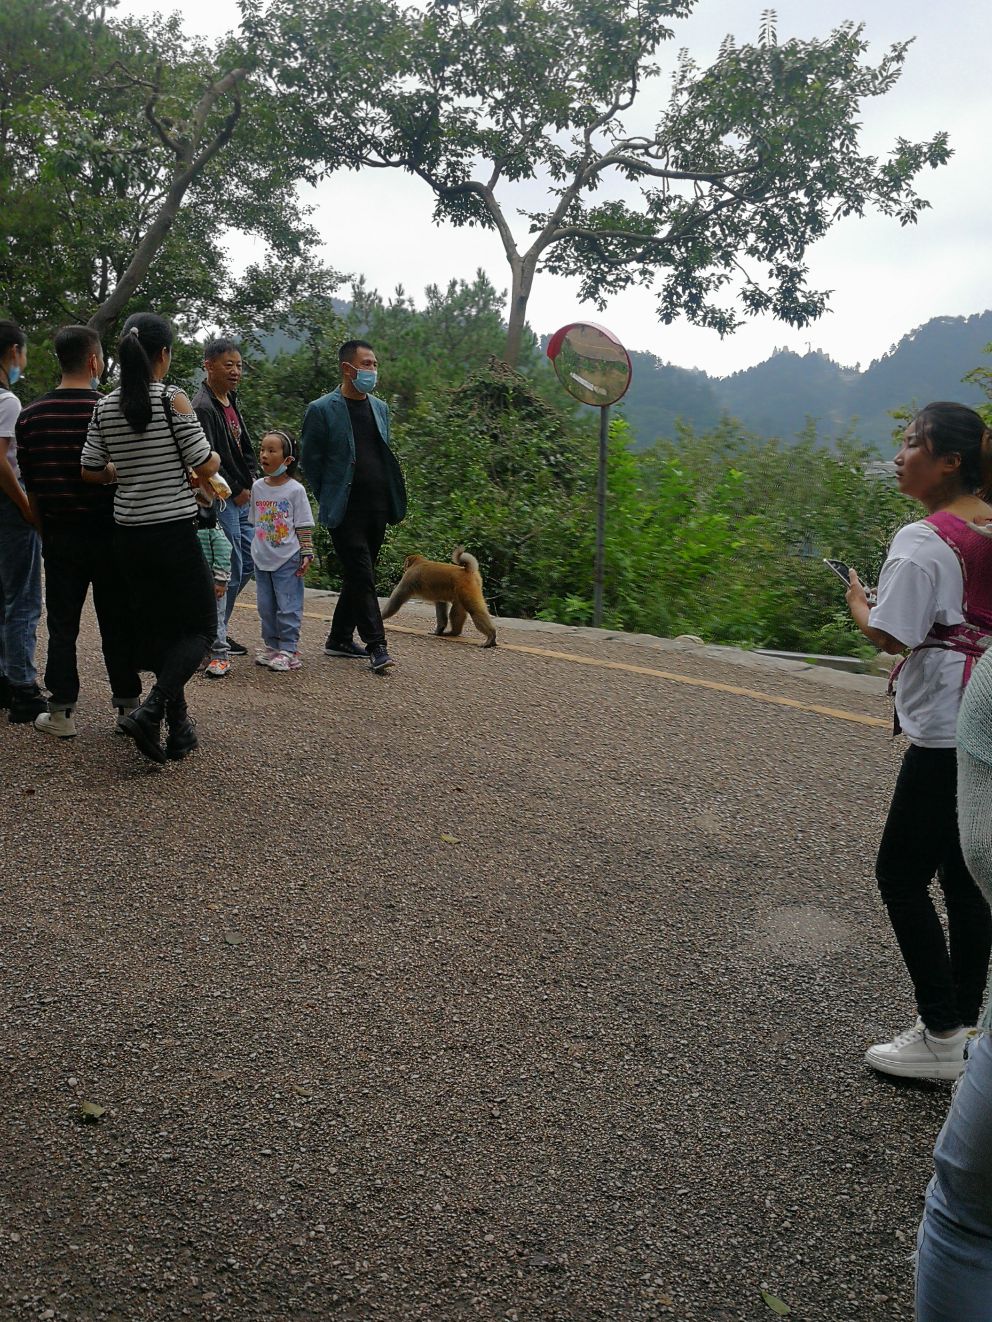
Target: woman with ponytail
20,549
145,438
935,603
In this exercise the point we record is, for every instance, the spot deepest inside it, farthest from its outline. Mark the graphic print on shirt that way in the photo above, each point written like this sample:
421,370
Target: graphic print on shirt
233,423
272,523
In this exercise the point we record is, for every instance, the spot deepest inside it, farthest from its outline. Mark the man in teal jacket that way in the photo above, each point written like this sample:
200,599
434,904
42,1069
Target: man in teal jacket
345,452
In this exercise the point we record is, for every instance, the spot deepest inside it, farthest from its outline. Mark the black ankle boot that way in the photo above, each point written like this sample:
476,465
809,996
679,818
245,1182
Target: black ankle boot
182,731
26,702
144,725
5,694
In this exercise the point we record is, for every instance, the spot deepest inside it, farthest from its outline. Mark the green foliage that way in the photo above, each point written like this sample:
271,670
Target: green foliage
752,161
123,139
981,376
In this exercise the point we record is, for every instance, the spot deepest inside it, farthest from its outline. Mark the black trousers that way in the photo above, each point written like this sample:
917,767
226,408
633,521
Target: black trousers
78,557
357,541
920,840
173,595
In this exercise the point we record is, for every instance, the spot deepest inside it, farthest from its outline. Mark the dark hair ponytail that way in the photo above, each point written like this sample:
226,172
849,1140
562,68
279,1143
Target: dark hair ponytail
956,429
143,338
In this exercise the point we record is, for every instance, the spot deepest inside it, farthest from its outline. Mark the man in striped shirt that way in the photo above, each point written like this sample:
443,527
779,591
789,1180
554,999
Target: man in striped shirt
77,530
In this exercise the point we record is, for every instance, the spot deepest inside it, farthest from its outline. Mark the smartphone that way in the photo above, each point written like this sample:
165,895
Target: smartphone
840,569
844,572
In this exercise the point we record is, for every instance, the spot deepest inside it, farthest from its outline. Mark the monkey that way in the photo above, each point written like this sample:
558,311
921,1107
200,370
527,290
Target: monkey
459,584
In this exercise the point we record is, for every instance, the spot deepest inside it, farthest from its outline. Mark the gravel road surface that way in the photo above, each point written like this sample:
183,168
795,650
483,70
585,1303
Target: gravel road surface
500,987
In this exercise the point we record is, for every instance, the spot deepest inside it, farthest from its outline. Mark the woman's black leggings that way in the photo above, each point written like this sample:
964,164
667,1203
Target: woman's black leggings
173,599
920,840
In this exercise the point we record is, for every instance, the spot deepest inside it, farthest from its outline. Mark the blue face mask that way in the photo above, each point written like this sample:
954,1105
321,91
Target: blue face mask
365,379
14,375
94,383
278,472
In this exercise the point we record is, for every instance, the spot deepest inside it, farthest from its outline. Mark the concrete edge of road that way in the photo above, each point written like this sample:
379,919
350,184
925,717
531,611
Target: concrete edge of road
817,675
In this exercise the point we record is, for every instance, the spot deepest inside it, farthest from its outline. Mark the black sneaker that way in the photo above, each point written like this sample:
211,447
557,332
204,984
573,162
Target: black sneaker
235,648
379,658
26,703
346,648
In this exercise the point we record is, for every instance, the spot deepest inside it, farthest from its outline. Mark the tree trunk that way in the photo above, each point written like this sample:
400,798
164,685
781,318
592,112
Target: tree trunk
147,250
523,280
192,158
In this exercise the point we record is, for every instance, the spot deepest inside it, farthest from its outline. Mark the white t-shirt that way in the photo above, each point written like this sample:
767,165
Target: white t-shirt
277,512
10,410
921,585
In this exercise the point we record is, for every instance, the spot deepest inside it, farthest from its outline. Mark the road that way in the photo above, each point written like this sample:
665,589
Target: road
521,984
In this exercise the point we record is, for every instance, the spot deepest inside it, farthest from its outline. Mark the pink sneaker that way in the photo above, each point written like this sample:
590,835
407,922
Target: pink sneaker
265,655
283,661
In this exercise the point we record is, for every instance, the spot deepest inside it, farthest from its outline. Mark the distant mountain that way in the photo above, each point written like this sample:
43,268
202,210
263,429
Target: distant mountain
776,397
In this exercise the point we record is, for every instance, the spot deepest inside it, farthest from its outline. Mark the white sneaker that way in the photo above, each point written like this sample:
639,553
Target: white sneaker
264,656
917,1054
282,662
59,723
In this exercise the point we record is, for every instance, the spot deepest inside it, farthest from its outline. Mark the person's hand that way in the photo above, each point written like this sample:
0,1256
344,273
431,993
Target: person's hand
220,591
242,498
29,517
306,560
856,595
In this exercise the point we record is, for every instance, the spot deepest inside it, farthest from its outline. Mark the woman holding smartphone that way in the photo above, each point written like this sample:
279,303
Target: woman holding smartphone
934,602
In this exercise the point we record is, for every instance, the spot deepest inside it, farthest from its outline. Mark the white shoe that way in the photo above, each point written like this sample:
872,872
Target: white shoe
917,1054
264,655
281,662
59,723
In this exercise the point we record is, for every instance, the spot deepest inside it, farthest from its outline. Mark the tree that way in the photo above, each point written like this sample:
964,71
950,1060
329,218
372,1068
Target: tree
752,160
118,173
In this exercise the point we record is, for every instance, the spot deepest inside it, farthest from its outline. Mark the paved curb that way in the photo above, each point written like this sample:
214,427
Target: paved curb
820,676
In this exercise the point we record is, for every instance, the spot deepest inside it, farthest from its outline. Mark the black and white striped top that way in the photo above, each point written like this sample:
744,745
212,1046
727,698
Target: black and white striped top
151,479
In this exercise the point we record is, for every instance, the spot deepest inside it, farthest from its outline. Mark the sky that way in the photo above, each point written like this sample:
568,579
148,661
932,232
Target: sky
886,279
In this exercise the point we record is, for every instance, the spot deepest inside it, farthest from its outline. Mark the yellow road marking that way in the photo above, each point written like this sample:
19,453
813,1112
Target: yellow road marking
836,713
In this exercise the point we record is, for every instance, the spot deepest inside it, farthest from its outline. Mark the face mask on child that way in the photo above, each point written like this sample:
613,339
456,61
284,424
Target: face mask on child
13,375
278,472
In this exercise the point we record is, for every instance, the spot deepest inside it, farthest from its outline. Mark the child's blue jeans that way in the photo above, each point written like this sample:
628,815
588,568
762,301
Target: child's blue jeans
954,1246
279,594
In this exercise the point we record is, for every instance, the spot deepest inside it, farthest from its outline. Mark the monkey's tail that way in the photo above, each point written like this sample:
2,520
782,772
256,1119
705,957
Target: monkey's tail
459,556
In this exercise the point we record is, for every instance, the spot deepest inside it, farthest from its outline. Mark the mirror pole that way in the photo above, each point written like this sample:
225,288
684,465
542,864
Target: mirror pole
597,591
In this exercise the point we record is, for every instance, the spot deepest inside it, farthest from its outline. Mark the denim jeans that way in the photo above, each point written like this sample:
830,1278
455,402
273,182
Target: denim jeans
20,595
954,1244
239,532
219,648
279,594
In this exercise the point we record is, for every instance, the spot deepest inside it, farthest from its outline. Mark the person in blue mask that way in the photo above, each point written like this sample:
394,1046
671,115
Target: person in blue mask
20,549
354,474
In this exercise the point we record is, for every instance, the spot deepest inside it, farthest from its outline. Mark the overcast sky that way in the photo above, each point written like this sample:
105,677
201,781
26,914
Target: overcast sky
886,279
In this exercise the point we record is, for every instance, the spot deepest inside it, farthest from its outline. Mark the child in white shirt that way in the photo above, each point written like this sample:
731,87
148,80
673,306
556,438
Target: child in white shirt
281,549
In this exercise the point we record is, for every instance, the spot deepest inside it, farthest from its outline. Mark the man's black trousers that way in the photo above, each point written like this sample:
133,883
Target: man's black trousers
357,541
78,557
